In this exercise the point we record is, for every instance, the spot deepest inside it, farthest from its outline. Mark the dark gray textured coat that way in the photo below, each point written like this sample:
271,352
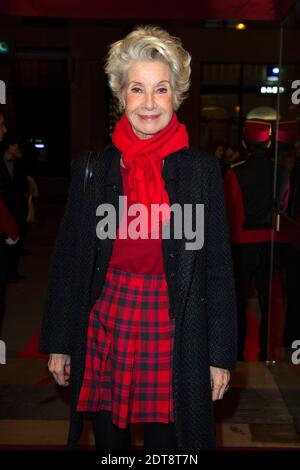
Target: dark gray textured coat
200,283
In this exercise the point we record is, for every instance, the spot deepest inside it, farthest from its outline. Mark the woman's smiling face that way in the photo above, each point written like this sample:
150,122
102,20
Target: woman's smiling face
148,98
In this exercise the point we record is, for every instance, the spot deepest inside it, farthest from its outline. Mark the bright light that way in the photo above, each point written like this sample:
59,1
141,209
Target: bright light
4,47
39,146
271,89
275,69
240,26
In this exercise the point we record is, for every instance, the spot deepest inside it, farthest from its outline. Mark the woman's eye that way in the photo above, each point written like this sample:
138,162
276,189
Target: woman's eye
162,90
136,89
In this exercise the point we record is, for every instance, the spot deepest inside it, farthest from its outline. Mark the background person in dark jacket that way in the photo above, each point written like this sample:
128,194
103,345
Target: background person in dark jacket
14,191
9,236
249,190
288,142
145,326
9,233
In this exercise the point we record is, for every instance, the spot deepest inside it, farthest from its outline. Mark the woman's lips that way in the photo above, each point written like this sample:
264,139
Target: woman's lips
149,118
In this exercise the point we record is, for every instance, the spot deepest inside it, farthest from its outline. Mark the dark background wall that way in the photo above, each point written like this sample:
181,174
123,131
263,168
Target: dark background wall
56,85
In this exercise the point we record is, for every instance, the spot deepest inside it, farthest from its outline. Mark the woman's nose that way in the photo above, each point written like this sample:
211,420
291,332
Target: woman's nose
149,100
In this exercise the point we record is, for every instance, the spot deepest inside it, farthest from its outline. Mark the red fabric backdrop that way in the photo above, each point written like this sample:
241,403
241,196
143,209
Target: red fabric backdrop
154,9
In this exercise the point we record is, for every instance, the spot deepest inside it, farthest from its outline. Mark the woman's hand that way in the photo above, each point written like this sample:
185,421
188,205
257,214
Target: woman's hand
60,367
219,379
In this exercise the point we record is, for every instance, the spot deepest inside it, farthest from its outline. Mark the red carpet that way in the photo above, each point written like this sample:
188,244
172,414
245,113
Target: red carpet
31,349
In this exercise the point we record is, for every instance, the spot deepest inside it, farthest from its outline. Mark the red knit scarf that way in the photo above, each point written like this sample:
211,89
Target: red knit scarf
143,158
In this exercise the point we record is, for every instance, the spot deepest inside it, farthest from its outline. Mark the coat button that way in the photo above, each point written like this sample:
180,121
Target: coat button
98,268
115,188
202,299
171,255
172,275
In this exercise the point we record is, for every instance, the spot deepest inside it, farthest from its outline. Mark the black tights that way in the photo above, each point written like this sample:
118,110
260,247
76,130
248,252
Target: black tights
108,436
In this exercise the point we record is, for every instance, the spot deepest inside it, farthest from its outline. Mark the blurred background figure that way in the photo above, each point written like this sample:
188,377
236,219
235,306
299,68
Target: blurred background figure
251,204
3,129
288,142
232,154
14,189
33,194
219,150
9,234
229,157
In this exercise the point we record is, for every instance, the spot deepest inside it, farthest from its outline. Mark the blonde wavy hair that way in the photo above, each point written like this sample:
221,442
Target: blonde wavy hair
149,43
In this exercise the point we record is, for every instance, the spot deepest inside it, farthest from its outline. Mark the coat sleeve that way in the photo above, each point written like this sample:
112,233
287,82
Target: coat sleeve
221,299
56,329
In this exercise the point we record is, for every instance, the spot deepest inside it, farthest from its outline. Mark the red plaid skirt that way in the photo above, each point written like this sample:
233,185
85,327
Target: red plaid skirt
130,342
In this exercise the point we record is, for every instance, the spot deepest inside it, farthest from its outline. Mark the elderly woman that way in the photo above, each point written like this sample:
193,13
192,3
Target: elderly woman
142,319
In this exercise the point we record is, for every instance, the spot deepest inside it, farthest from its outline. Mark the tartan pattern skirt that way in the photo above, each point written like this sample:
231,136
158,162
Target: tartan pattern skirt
128,367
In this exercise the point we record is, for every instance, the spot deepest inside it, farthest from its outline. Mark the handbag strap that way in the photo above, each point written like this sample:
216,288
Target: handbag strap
89,169
90,162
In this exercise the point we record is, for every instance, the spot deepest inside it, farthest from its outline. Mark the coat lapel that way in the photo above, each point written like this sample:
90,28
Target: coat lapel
108,180
177,173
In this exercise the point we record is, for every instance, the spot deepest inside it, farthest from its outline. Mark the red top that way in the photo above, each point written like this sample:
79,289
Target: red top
141,256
